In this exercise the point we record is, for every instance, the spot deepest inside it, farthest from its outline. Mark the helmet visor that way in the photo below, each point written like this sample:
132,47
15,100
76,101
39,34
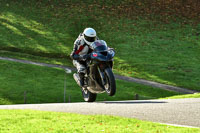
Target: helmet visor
89,39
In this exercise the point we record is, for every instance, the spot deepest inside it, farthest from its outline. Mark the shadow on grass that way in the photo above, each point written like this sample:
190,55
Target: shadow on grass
49,32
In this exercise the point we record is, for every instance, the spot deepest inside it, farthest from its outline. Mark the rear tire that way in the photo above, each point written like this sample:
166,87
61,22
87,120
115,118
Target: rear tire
110,86
88,96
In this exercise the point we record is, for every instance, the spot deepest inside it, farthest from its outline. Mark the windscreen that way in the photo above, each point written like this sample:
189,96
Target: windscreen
99,45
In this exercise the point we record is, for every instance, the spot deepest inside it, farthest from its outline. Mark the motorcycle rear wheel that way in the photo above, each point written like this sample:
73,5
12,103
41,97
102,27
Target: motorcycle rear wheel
88,96
110,85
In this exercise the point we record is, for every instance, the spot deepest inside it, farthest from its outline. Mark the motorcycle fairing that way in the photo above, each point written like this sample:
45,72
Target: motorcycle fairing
93,85
103,55
101,58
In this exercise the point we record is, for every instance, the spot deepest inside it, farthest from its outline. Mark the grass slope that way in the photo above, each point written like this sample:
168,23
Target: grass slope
46,85
13,121
166,52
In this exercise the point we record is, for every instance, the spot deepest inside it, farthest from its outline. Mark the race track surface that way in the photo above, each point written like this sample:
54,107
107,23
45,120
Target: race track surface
184,112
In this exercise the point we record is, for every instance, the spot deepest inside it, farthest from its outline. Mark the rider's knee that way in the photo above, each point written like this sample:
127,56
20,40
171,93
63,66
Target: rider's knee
82,70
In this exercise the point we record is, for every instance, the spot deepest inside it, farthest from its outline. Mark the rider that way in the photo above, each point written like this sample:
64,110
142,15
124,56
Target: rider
82,50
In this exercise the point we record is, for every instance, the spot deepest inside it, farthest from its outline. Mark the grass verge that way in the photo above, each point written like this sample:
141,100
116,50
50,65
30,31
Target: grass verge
13,121
46,85
196,95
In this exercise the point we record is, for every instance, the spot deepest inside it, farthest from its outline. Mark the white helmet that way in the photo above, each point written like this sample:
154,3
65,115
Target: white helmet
89,35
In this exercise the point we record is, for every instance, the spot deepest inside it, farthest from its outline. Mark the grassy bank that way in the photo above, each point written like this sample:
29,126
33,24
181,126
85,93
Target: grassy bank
46,85
148,47
37,121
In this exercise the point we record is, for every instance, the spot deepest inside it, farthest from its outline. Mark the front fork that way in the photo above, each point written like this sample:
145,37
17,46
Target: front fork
100,67
102,75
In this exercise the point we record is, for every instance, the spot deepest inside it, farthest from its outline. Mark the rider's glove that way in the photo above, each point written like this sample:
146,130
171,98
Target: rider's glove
84,57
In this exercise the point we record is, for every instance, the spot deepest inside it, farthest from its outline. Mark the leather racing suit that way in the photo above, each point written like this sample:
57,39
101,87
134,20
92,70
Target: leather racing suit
79,55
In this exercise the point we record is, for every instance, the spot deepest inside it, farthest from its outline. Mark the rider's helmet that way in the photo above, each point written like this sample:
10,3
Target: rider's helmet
89,35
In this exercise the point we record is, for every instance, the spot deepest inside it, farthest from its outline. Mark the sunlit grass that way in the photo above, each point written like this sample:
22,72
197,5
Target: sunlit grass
145,48
39,84
16,31
12,121
196,95
30,34
4,101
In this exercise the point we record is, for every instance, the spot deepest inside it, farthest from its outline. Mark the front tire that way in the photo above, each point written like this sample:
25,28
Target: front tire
88,96
110,85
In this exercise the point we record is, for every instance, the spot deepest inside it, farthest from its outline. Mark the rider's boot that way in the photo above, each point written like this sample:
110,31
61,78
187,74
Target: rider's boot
81,75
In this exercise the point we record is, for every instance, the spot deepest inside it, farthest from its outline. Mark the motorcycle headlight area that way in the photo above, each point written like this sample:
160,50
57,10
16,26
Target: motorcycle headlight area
94,54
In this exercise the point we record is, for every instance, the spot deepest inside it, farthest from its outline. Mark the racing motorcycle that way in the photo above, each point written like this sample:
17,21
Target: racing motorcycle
99,77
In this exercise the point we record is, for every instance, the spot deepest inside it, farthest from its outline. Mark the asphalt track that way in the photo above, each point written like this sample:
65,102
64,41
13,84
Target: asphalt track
184,112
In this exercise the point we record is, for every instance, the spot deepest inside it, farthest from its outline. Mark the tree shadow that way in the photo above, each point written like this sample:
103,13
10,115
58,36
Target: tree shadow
21,34
38,15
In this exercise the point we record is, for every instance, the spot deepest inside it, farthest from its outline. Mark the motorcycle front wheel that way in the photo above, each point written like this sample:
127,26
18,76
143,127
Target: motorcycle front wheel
88,96
110,85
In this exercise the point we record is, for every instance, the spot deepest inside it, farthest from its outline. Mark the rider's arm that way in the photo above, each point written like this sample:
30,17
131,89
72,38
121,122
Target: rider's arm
74,54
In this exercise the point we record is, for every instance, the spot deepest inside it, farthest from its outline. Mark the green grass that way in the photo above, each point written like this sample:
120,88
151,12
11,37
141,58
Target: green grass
44,31
12,121
46,85
196,95
4,101
145,46
24,56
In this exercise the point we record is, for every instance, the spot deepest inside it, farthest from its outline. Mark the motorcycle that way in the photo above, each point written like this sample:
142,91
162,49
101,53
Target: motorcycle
99,77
